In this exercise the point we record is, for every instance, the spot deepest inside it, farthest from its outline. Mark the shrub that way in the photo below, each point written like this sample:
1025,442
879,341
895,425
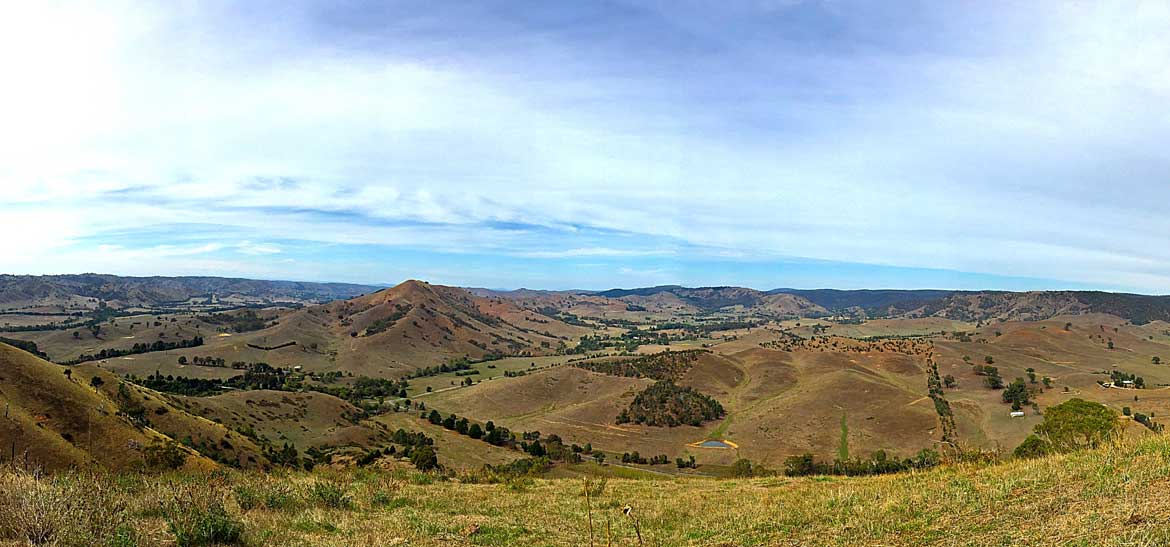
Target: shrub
329,494
268,495
69,510
1032,447
164,455
200,517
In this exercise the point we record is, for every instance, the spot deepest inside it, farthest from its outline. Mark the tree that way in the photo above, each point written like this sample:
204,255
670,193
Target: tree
599,457
96,381
741,468
1077,423
1031,375
164,455
949,381
475,431
1016,394
989,360
1156,360
424,458
1125,411
1032,447
69,373
182,359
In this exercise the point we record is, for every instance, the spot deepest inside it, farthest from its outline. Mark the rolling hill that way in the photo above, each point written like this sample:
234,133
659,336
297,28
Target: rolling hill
54,420
388,333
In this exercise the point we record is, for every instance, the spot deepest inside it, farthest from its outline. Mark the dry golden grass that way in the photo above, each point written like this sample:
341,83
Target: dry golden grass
1114,496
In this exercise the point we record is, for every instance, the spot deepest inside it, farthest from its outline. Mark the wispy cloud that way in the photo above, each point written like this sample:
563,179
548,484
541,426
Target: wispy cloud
1013,141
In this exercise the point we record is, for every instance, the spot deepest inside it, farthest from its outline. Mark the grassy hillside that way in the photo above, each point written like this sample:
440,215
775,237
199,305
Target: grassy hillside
1114,496
57,421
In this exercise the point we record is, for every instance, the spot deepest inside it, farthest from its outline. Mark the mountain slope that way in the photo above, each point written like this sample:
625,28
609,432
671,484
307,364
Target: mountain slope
389,333
58,421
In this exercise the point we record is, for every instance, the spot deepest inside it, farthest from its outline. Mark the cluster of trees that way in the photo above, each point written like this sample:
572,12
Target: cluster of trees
182,385
1118,377
418,448
522,466
363,388
708,327
665,404
384,323
1144,420
878,463
661,459
552,448
207,361
666,365
25,345
158,345
991,377
286,456
942,407
1018,394
489,432
245,321
530,442
454,366
256,376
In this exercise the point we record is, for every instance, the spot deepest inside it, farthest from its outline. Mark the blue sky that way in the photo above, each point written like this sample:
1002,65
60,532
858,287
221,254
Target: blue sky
767,143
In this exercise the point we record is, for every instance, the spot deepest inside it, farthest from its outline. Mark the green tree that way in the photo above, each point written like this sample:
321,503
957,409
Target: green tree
475,431
1077,423
1032,447
1016,394
164,455
424,458
742,468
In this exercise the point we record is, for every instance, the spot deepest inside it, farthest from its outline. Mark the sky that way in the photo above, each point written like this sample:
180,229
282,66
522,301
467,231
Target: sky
591,144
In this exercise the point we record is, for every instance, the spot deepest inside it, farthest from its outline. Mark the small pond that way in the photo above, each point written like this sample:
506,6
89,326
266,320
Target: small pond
714,444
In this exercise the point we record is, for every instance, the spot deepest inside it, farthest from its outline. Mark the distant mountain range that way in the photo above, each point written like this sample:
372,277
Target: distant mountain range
84,291
958,305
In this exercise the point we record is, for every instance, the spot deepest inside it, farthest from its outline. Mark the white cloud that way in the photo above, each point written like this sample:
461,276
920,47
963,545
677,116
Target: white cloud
1032,147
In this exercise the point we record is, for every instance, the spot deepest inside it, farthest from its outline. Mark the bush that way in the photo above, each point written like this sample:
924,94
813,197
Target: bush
69,510
742,468
164,455
329,494
267,495
200,517
1032,447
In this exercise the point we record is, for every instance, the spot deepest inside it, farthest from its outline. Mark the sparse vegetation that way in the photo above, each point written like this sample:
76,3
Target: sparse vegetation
666,404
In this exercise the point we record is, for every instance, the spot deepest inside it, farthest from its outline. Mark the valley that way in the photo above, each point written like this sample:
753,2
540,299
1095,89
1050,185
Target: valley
768,375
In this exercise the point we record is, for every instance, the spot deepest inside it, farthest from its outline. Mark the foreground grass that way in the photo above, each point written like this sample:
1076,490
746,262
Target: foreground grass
1114,496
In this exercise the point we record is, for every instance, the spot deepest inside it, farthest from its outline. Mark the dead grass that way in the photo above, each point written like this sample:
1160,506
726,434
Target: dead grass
1113,497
